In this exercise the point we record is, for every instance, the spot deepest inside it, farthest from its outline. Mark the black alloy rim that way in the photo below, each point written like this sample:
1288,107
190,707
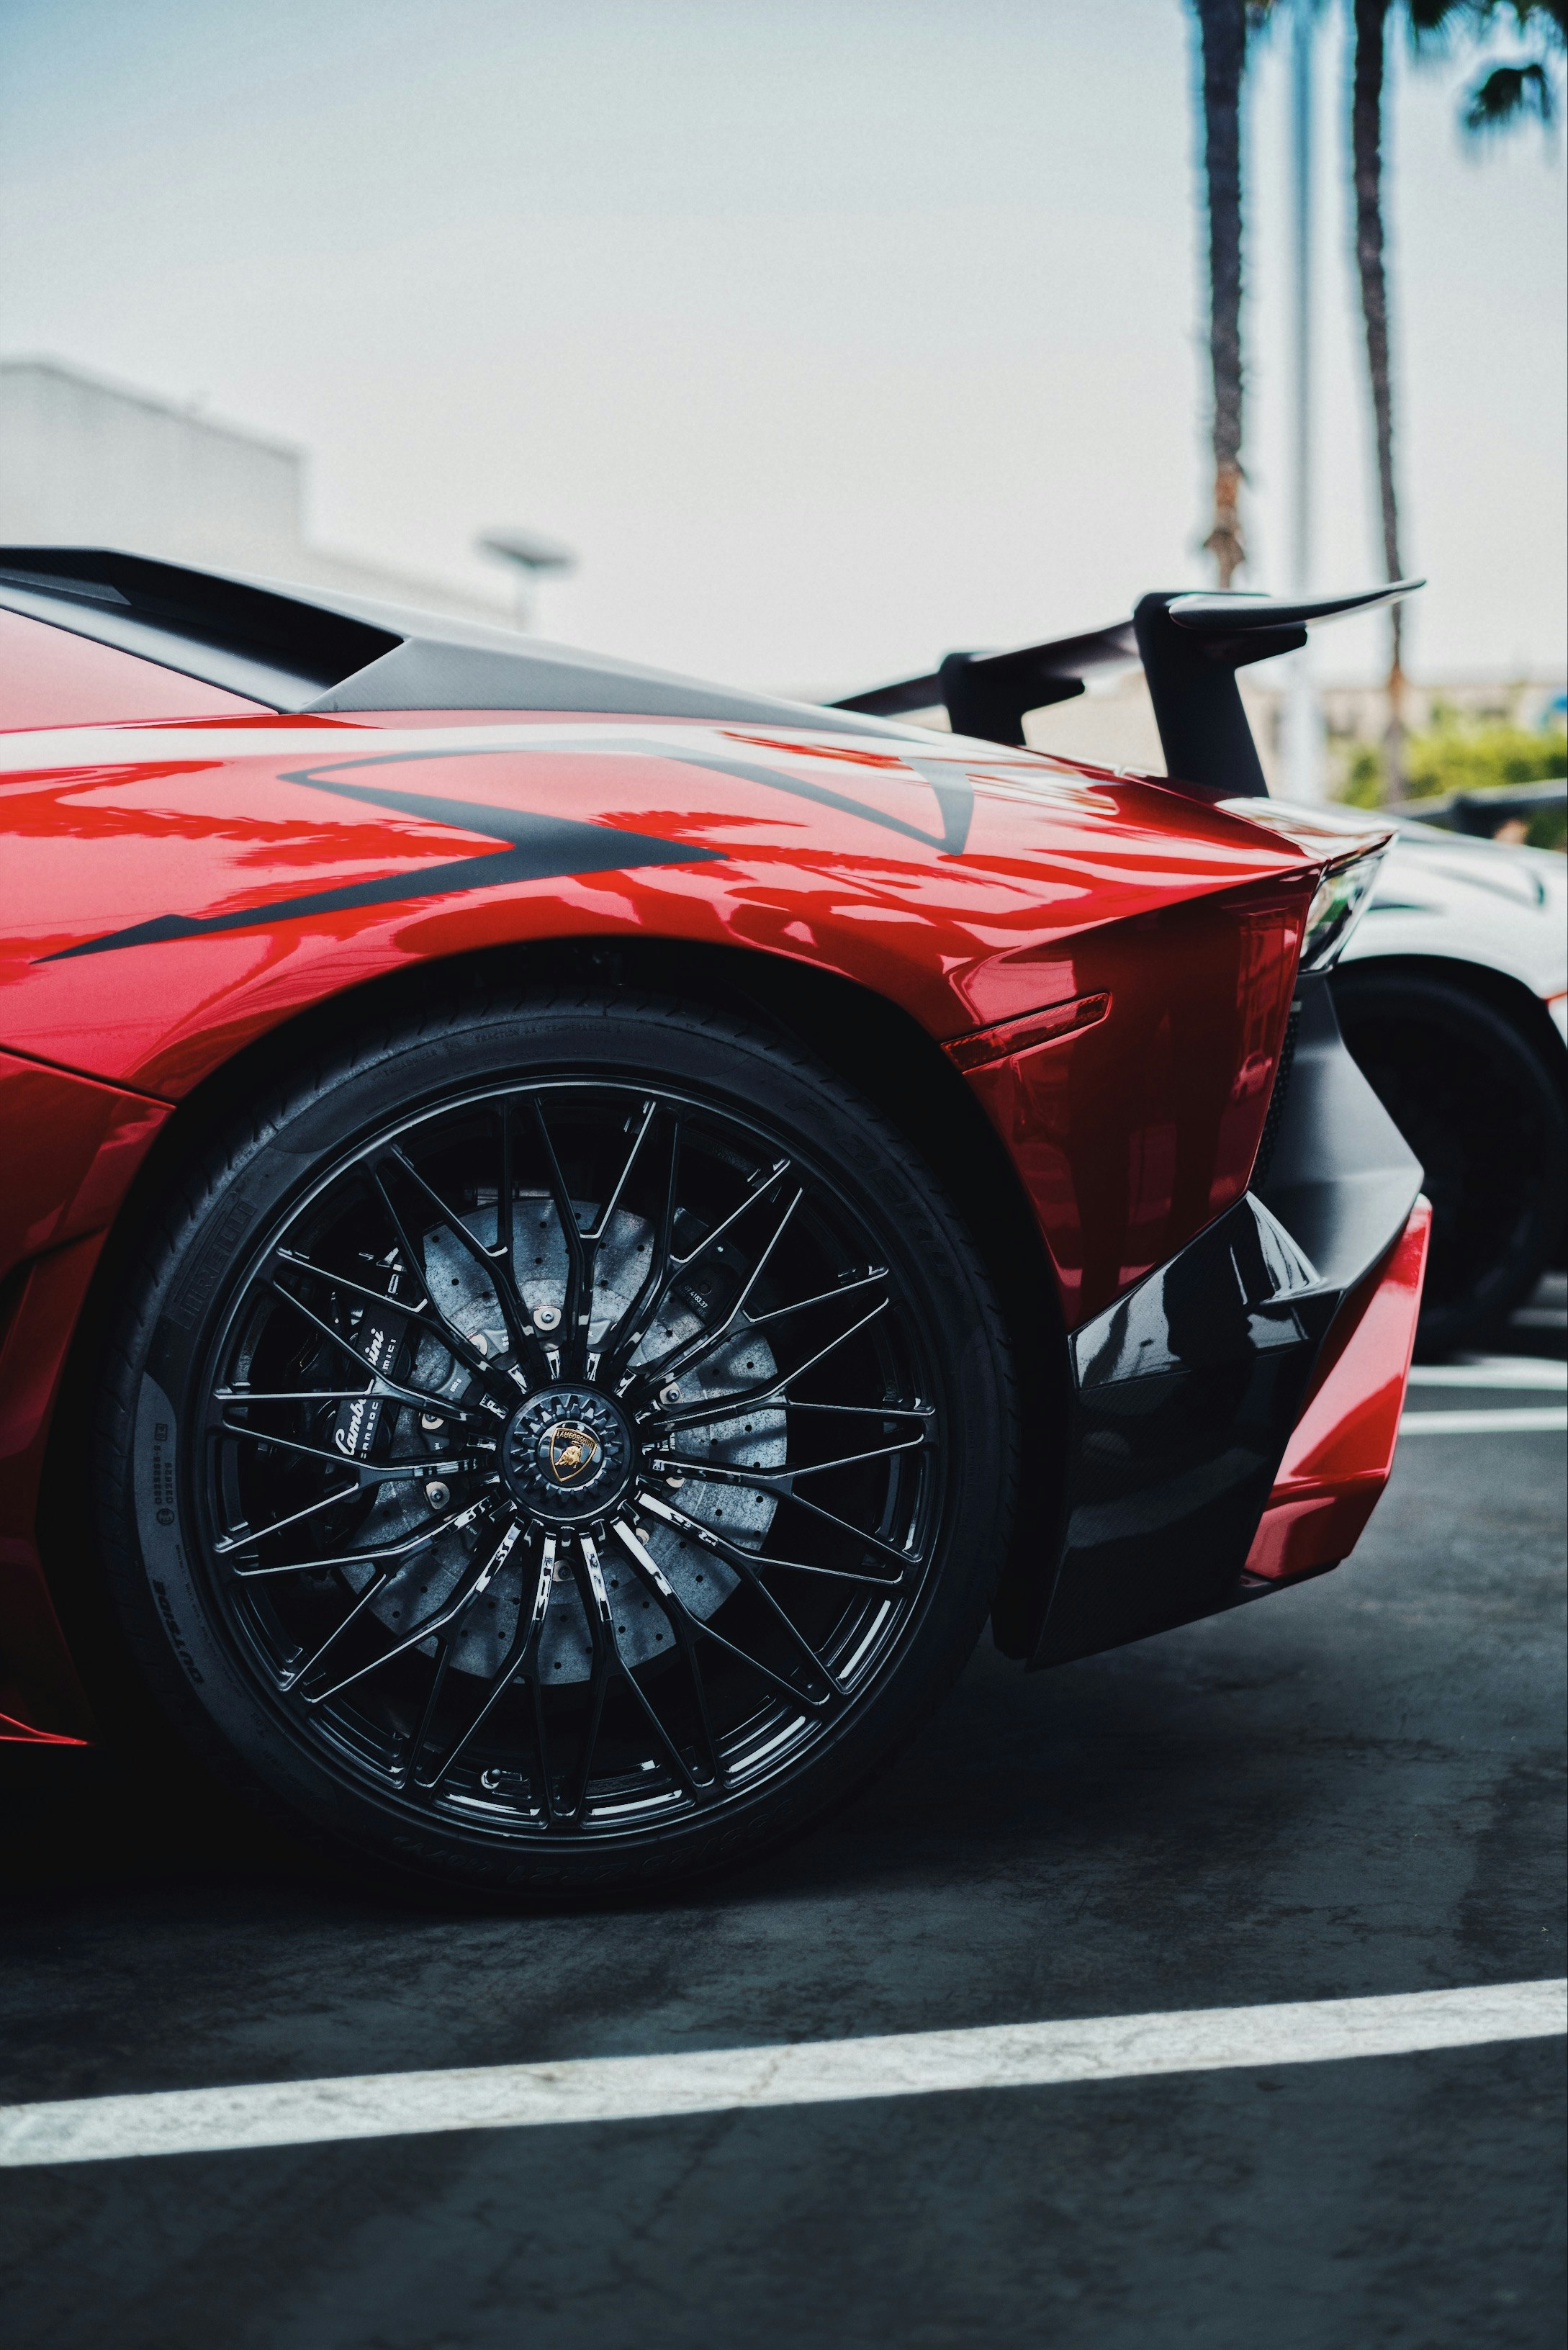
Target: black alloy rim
571,1461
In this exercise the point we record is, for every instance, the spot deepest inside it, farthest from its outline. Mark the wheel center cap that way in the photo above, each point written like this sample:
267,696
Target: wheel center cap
567,1454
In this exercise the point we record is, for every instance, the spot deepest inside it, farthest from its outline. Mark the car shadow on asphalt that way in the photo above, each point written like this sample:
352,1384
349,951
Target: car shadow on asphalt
1013,1768
1212,1736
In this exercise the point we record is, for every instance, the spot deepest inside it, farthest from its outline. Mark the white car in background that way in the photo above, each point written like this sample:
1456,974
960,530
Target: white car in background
1452,995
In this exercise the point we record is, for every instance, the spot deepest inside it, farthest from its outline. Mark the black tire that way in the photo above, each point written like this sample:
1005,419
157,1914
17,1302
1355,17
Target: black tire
1485,1117
455,1756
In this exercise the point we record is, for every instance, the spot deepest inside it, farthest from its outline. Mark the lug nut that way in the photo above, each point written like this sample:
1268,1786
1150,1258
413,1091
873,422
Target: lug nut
431,1420
671,1394
546,1318
437,1493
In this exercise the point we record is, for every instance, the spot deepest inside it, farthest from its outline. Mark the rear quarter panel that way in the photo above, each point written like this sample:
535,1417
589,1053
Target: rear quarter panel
171,893
174,892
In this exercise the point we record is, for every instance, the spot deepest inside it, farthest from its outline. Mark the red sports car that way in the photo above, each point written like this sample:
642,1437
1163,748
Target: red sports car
567,1236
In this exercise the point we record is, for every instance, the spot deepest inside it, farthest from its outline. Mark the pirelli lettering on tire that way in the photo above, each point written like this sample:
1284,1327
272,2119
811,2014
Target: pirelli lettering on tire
172,1627
191,1301
158,1504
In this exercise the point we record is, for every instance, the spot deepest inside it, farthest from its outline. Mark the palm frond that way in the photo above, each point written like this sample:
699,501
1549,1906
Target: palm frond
1507,95
1432,23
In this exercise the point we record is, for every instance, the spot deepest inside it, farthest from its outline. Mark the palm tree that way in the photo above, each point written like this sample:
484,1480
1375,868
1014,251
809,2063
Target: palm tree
1370,21
1504,93
1222,27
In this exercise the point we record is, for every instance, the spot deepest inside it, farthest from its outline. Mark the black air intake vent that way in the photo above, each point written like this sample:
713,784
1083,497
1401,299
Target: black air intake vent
248,639
295,651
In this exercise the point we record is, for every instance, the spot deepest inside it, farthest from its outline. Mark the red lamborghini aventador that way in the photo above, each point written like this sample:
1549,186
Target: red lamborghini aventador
567,1236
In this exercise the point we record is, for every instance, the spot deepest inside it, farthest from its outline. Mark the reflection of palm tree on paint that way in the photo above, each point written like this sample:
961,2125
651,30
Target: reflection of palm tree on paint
1503,95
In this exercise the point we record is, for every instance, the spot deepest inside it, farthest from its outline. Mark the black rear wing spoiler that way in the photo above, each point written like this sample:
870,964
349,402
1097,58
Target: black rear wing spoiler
1190,645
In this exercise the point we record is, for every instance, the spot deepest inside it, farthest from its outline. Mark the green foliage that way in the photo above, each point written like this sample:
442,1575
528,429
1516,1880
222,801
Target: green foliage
1456,753
1362,784
1460,755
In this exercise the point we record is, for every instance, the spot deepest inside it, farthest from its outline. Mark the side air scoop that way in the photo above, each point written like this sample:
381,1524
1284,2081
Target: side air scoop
1190,645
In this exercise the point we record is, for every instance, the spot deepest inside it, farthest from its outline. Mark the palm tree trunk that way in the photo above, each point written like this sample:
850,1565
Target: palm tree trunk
1371,21
1222,32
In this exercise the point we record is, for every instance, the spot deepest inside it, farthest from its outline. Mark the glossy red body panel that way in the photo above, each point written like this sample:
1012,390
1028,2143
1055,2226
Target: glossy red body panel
1133,1131
1342,1449
108,828
68,1150
51,678
827,850
1010,1037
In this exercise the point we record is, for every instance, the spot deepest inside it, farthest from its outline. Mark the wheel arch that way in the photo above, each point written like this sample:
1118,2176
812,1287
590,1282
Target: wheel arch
1500,992
1501,989
865,1038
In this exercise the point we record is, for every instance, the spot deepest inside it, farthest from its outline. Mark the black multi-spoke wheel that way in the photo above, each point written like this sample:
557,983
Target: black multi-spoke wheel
571,1446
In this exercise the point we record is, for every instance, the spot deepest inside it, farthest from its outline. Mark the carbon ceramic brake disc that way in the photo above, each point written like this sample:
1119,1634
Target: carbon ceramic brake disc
758,1440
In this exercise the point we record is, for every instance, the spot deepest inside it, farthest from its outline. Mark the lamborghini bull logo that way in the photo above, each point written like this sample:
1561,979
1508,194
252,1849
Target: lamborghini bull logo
572,1451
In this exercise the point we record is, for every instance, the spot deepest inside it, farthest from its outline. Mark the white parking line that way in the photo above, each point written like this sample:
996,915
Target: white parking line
802,2073
1543,1419
1494,1371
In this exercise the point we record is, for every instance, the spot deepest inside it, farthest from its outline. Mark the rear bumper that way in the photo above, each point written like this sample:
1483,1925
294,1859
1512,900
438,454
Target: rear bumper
1341,1449
1233,1417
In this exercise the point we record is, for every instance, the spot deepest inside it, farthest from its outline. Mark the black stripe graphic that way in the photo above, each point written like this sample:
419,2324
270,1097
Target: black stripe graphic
538,847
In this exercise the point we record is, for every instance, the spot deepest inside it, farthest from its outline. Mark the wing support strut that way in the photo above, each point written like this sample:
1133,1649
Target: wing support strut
1190,645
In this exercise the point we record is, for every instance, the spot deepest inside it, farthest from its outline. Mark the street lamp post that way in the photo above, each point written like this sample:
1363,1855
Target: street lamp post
527,555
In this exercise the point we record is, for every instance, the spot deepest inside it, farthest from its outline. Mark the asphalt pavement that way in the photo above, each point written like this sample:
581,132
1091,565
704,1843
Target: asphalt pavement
1353,1789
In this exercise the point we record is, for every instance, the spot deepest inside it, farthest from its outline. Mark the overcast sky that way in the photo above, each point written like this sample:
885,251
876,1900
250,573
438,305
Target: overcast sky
831,332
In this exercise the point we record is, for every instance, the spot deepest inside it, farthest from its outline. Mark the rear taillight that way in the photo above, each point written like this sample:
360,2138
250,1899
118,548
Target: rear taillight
1355,846
1340,900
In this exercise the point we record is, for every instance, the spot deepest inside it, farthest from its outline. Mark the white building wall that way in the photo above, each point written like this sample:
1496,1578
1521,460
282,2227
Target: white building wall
88,463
